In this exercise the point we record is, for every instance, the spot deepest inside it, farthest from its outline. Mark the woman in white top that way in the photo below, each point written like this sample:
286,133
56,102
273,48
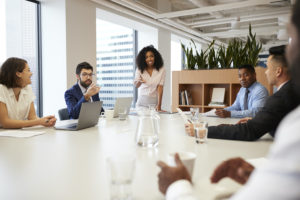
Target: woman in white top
149,77
16,97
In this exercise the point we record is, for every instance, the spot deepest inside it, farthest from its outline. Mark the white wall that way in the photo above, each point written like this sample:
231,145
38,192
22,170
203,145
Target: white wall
164,47
81,36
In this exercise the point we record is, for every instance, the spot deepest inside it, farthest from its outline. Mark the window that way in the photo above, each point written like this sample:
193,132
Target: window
115,61
19,24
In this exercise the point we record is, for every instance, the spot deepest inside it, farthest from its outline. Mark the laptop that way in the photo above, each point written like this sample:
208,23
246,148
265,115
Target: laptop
122,103
88,117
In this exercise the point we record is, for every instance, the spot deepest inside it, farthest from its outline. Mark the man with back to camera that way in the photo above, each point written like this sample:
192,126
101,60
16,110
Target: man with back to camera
250,98
281,170
276,107
83,91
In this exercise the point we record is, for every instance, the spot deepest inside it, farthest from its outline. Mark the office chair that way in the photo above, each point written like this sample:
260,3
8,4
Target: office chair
63,114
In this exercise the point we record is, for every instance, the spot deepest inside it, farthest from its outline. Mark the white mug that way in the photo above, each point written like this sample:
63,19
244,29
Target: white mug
109,114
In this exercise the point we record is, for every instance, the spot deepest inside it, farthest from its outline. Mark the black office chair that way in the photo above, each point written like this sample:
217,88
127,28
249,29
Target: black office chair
63,114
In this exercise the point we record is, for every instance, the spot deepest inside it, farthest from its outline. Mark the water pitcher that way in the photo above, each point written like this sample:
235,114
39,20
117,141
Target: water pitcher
147,128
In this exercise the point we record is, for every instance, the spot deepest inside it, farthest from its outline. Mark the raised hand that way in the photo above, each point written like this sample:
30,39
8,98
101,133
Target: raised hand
236,168
169,175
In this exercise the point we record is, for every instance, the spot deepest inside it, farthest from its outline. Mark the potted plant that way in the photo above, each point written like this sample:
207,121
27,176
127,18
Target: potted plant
201,58
190,58
225,56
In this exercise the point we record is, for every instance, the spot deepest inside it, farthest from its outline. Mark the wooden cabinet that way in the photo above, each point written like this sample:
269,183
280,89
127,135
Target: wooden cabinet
200,84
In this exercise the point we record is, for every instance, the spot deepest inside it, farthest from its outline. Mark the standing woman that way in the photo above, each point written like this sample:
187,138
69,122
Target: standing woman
16,97
149,77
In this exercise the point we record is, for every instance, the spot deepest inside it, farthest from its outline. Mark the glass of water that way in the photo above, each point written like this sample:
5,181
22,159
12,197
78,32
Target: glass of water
121,176
194,114
200,129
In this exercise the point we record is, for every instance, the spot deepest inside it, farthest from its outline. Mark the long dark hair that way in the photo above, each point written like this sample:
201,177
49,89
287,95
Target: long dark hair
8,72
141,58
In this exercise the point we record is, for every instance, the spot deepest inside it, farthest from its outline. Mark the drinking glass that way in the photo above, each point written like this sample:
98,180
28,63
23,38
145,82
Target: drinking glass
121,175
200,131
122,112
194,114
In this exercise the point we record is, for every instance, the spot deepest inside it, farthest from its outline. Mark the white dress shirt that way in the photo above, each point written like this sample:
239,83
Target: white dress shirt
17,110
279,178
149,88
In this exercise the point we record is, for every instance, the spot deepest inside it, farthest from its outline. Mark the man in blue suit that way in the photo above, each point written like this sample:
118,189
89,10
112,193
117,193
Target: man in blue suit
83,91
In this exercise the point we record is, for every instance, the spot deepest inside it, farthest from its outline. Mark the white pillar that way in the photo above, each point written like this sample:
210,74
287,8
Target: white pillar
164,47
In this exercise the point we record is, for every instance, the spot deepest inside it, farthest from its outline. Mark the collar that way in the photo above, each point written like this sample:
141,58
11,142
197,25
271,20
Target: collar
282,84
252,86
22,92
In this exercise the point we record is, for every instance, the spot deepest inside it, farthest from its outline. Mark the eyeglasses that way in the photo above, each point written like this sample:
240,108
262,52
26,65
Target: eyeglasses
86,75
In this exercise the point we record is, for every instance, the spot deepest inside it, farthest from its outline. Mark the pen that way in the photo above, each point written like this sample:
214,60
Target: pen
190,121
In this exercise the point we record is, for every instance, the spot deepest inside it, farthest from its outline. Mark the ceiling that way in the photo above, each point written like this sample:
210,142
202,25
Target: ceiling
218,20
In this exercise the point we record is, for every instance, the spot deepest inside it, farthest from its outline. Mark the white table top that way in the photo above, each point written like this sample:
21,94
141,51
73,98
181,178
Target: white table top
70,165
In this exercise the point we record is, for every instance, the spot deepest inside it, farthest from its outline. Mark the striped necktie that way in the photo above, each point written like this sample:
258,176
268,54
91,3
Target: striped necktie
246,99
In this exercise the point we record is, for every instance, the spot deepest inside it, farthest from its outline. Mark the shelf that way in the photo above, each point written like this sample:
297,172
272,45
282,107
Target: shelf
200,83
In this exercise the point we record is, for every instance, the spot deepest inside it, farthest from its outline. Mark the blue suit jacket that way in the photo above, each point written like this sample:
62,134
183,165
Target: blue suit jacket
74,99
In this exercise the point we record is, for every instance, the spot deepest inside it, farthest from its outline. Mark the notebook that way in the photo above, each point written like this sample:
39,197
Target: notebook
88,117
122,104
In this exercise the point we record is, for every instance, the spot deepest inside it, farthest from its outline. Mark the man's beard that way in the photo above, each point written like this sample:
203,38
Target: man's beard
85,85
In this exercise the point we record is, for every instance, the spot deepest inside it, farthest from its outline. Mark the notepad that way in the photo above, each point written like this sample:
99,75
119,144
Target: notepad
20,133
211,113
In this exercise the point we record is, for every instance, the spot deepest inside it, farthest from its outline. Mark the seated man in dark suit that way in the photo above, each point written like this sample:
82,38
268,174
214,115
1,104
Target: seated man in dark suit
83,91
276,107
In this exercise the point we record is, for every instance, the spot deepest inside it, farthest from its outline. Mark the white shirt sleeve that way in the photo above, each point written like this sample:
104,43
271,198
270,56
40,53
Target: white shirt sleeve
180,190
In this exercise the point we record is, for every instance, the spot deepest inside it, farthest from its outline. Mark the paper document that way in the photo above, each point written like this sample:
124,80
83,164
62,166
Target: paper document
182,114
20,133
210,113
34,127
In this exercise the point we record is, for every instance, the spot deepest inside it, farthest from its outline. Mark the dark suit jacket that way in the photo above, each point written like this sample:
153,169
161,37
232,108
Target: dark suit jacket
276,108
74,99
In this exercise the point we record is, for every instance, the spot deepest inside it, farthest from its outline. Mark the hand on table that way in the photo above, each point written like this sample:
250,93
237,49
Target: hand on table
48,121
223,113
236,168
189,129
169,175
244,120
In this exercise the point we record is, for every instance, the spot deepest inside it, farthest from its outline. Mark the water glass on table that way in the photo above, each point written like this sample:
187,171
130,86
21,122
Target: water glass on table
200,128
121,176
122,112
194,113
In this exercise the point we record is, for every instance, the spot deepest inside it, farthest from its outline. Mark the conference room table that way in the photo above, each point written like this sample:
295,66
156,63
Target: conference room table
71,165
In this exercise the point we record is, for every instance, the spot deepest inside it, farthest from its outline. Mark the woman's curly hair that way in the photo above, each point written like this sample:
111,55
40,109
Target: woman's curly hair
141,58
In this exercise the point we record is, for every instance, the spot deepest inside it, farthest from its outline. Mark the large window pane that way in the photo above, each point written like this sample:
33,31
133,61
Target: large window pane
115,61
19,31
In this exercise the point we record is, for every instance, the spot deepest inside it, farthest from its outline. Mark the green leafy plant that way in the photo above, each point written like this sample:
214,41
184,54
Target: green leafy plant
225,56
253,48
212,59
238,53
201,58
190,58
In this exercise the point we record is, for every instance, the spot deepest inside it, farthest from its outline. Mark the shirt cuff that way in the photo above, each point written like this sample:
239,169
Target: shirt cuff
181,189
